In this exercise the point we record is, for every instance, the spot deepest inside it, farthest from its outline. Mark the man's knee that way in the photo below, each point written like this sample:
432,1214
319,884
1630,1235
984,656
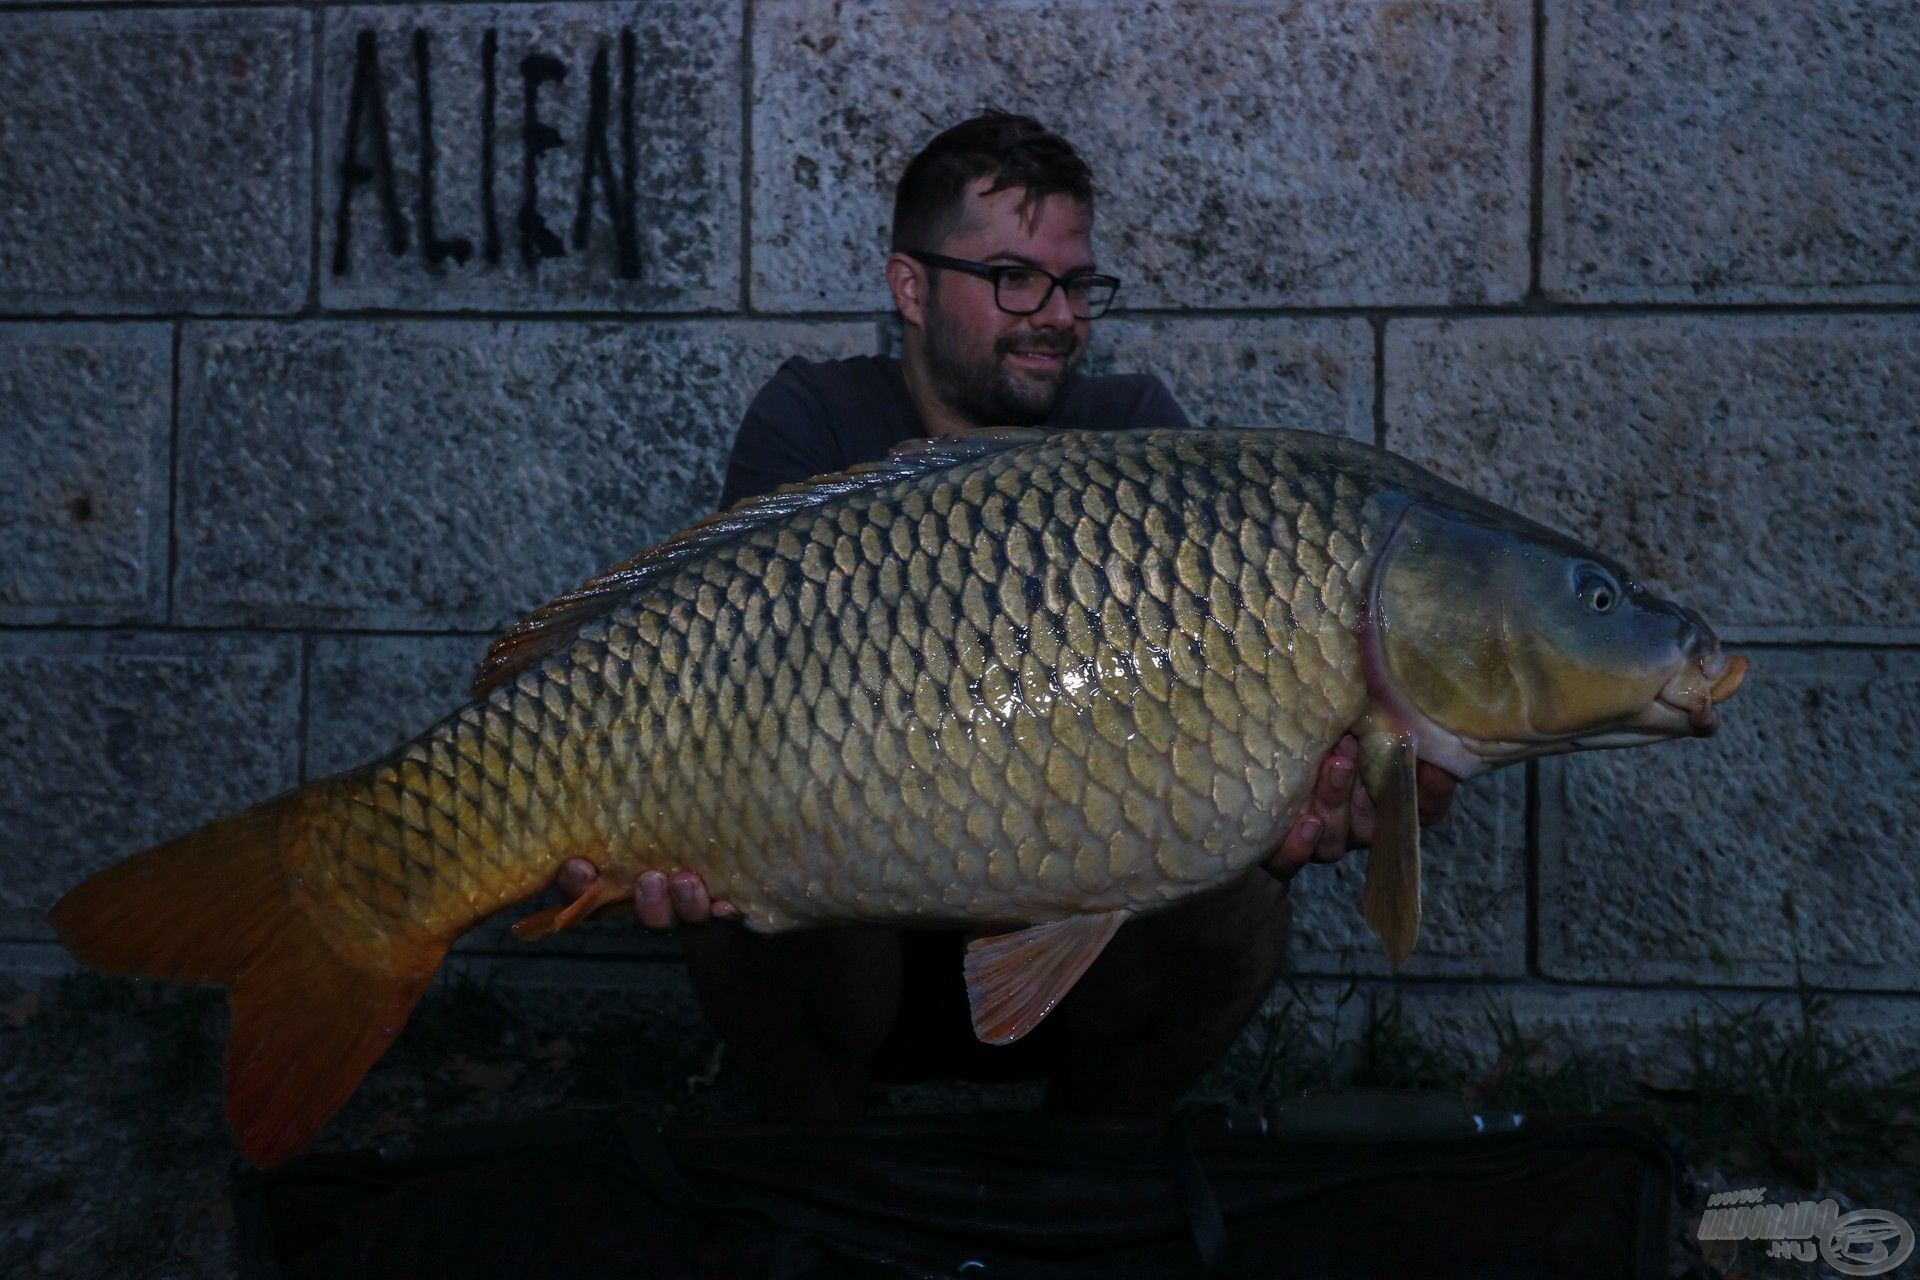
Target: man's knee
1205,960
836,990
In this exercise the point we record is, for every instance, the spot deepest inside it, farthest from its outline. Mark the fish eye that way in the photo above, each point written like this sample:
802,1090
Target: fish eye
1596,589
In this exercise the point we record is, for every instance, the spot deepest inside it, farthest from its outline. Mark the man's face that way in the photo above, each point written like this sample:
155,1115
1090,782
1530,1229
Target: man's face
990,367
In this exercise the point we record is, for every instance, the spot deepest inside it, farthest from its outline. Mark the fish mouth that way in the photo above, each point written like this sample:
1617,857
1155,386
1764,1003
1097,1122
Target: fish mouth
1700,686
1687,706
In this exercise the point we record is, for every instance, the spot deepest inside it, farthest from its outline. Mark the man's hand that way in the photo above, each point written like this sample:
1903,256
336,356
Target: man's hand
1339,816
660,901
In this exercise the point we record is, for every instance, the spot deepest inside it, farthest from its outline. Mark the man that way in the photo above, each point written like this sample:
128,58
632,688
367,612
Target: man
993,274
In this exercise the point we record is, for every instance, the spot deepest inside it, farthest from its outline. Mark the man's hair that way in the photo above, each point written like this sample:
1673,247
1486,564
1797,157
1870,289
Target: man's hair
1016,151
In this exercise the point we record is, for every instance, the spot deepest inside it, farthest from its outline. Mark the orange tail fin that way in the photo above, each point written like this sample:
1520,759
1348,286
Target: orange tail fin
219,906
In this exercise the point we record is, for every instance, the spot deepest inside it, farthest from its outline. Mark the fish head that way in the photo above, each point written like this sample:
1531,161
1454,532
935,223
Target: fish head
1493,639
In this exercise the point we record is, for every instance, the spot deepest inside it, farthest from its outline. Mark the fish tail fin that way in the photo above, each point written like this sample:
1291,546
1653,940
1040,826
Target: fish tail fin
222,905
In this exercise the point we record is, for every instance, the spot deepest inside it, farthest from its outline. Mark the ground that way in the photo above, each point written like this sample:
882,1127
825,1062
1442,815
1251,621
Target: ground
115,1159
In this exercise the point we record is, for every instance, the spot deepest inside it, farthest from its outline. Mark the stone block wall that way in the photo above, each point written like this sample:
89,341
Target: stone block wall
333,338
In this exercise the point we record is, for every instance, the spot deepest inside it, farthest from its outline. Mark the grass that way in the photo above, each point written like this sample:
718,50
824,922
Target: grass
167,1038
1792,1096
1285,1050
1791,1102
1785,1097
112,1092
1290,1050
1393,1055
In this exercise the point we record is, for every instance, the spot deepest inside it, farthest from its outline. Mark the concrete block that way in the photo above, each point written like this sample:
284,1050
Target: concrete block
34,967
1473,895
448,474
112,742
1643,1034
1244,154
485,214
1315,375
1781,847
1763,470
156,161
369,694
83,471
1731,152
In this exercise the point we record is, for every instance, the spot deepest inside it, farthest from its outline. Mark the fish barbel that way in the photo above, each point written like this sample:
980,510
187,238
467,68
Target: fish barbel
1020,681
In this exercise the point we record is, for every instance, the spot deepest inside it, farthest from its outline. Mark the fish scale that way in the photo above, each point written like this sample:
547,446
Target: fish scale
1075,676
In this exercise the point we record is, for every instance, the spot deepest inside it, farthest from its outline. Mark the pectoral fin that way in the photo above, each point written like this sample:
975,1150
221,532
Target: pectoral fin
1015,979
1391,899
544,924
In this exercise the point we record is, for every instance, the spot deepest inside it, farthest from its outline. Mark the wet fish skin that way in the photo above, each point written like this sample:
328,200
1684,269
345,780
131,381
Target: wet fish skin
1083,674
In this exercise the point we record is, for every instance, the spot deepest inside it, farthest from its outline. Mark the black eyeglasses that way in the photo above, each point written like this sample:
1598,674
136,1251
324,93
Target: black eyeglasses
1021,291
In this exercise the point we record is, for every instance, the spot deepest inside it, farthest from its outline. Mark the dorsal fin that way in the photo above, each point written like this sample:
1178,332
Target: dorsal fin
542,632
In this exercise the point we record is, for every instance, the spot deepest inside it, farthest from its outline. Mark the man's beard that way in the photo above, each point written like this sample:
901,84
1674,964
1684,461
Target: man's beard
984,390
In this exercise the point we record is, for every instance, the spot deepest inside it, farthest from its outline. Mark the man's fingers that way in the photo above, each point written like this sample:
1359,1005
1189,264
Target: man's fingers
662,901
1332,845
650,901
689,894
1296,847
1344,811
1360,819
1337,771
576,874
1333,799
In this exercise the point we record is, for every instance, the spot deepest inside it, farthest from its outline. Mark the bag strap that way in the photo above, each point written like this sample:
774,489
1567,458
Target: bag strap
1198,1204
647,1148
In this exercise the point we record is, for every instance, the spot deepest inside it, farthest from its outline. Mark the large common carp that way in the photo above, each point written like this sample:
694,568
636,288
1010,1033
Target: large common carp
1027,682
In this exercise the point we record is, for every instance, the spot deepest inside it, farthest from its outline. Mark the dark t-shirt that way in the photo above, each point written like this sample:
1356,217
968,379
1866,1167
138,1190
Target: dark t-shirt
815,417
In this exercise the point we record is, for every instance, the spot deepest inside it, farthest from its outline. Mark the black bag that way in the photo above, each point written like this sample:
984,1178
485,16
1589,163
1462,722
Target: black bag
1025,1195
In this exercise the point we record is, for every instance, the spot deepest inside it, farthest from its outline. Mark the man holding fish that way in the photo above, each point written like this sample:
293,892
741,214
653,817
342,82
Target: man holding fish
1064,690
995,282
